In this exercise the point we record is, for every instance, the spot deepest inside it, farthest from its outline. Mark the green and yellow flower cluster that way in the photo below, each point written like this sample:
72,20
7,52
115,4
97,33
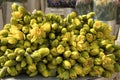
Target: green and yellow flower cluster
49,45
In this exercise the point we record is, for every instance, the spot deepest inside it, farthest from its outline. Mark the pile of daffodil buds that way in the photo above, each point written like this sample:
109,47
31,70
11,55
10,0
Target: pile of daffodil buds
49,45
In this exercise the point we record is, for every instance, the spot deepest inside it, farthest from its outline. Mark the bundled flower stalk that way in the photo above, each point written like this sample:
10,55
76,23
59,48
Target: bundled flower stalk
105,9
84,6
118,12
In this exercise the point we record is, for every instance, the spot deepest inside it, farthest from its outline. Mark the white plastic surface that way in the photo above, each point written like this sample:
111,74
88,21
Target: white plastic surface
116,76
112,24
118,37
25,77
116,30
60,11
